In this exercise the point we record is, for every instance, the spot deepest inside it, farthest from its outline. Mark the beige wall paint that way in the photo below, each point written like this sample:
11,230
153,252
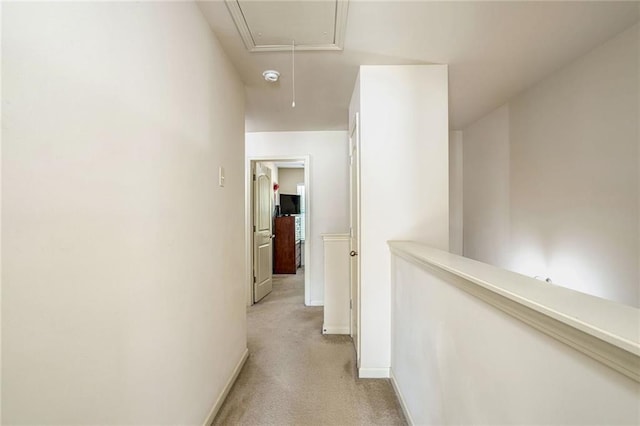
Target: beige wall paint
404,167
455,192
486,188
574,190
458,360
121,297
289,180
573,144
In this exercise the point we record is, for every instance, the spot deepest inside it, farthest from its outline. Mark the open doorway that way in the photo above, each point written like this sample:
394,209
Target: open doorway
289,220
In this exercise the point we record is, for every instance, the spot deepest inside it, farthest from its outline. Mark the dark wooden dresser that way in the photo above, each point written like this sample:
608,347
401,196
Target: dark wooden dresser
286,247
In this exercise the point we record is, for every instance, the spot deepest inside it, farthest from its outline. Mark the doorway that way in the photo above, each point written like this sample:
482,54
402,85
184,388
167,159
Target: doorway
290,176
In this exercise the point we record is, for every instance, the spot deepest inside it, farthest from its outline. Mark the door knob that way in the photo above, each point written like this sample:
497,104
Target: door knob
353,253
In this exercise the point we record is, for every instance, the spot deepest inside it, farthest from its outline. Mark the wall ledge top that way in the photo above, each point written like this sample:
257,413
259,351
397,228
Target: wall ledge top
604,330
339,237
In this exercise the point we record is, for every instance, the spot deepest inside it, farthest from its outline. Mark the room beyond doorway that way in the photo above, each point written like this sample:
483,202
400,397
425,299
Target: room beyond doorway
290,221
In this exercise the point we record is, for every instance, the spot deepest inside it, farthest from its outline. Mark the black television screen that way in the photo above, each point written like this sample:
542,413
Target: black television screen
289,204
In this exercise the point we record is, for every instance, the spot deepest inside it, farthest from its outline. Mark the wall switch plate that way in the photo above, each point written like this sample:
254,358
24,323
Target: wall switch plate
221,176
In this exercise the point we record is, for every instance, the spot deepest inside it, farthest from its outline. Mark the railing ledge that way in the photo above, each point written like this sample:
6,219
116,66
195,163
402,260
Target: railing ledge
604,330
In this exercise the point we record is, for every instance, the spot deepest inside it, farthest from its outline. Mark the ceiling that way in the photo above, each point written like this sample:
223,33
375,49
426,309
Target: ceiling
279,26
494,51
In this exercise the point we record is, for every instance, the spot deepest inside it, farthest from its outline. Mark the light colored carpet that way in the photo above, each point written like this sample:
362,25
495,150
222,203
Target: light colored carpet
297,376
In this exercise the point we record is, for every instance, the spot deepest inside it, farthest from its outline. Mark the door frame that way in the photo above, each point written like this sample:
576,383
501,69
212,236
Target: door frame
249,167
354,130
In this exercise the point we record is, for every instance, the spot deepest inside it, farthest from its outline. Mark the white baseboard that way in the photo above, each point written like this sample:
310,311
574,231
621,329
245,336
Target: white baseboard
373,373
315,303
328,329
227,388
403,403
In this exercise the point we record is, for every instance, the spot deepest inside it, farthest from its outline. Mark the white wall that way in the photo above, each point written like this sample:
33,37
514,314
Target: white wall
328,187
486,188
454,369
289,180
121,298
404,147
455,192
573,187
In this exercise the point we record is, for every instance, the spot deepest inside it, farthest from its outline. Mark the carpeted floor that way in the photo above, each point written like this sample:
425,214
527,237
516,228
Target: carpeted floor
297,376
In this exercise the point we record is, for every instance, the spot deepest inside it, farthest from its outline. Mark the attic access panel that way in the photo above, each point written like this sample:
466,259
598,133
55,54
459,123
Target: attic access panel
273,25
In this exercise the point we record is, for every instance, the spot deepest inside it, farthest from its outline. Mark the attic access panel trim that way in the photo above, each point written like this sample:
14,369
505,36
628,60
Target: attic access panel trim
238,16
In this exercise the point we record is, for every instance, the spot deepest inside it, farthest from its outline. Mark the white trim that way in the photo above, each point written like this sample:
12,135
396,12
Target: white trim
342,6
238,19
403,403
335,237
354,129
601,329
287,48
335,330
227,388
314,302
248,226
373,373
308,243
308,226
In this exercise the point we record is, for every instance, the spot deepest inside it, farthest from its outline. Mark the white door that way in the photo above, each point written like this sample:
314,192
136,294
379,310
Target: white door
262,235
354,233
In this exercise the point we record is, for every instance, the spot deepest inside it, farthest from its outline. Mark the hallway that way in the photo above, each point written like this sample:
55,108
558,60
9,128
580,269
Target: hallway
295,375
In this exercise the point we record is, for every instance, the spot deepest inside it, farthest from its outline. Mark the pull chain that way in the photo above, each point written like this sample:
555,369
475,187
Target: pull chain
293,73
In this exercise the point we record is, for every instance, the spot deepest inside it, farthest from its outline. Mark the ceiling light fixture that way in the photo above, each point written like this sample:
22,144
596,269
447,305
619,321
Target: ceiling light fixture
271,75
